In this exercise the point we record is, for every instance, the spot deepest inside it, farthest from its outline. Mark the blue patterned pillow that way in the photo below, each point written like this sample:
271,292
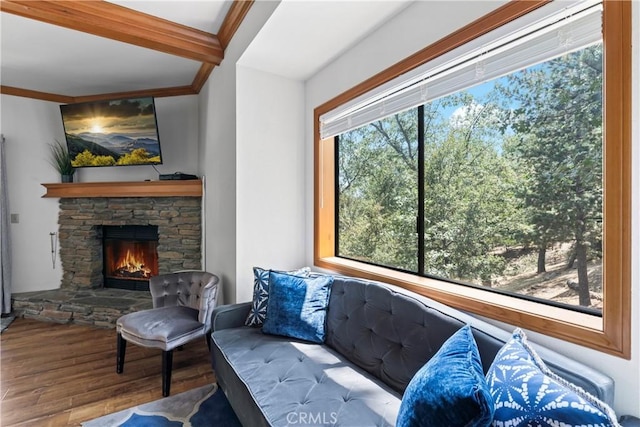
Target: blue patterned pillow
297,306
450,389
527,393
258,311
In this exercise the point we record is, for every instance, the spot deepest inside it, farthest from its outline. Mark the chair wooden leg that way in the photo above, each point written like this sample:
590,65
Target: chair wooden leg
208,338
121,349
167,361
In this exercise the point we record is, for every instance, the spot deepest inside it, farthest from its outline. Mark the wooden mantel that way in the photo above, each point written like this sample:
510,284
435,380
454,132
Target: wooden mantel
169,188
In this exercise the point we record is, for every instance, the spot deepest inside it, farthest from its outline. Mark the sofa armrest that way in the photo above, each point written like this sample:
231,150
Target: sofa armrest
230,316
629,421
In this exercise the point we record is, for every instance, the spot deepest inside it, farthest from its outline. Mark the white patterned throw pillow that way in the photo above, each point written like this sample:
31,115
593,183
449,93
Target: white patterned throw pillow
527,393
258,311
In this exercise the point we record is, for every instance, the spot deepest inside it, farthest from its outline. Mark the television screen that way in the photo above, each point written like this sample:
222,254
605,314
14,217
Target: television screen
112,133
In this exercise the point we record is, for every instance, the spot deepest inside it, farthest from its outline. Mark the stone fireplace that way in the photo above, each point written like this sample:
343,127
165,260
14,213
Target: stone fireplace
82,223
172,209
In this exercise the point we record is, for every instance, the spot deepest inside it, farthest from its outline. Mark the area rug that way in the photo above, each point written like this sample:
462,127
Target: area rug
201,407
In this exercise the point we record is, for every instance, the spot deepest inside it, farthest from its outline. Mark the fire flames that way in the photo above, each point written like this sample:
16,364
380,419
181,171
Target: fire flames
132,264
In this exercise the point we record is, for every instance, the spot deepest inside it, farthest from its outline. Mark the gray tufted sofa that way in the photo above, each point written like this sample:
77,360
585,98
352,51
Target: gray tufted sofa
378,336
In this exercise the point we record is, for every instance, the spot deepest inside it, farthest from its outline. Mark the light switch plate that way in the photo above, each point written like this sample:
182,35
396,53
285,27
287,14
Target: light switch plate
15,218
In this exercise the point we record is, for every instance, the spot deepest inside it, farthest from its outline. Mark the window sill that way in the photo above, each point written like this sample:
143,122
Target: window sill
579,328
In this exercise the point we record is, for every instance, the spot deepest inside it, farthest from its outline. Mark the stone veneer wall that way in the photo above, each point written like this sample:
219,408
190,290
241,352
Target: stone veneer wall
80,233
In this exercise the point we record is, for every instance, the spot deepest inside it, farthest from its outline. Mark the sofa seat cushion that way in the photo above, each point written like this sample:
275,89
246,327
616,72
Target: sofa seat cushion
297,382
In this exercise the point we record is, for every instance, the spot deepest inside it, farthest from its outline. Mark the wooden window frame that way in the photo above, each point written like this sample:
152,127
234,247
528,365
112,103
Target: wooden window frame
610,333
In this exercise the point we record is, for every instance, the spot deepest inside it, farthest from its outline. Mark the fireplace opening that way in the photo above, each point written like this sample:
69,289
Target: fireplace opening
130,256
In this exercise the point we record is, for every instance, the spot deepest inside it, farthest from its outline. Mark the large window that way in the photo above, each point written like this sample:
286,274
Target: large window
507,196
510,197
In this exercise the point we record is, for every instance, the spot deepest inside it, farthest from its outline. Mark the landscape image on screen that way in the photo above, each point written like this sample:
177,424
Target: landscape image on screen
112,133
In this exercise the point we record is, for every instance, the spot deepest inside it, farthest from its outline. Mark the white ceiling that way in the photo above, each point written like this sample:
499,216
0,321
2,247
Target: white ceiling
298,40
205,15
301,37
52,59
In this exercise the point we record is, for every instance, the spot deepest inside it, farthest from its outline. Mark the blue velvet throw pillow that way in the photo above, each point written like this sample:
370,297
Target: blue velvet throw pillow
527,393
450,389
297,306
258,311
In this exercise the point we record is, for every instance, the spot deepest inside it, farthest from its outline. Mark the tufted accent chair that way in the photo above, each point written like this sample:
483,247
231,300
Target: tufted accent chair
182,307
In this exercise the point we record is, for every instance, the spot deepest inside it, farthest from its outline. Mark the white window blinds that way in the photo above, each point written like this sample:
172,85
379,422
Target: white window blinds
551,31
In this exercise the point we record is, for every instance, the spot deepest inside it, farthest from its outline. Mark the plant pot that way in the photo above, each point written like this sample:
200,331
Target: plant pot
67,178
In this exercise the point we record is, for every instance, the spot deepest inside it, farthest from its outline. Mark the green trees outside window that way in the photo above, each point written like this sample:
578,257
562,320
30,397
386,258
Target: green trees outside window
498,186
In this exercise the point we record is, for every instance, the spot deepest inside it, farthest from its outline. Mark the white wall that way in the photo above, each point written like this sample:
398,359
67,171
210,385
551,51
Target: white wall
178,131
28,126
217,164
269,172
416,27
218,146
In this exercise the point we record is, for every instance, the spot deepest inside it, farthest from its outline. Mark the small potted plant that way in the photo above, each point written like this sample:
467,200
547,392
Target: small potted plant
61,160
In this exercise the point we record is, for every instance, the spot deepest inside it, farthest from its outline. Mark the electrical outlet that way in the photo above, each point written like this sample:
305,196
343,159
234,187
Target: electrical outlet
15,218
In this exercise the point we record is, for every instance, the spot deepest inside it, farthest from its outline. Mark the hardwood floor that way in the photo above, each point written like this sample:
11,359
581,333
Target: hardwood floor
61,375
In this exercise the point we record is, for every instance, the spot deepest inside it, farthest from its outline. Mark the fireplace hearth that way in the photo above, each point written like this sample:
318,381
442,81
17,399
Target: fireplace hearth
130,256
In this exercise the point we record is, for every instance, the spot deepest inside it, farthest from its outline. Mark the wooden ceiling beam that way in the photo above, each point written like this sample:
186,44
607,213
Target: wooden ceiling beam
64,99
231,23
232,20
119,23
34,94
201,77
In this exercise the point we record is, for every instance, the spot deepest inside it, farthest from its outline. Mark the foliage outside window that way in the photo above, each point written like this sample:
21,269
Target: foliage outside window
496,197
512,189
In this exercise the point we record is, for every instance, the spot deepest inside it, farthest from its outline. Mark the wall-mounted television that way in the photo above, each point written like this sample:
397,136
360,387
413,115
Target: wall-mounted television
118,132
